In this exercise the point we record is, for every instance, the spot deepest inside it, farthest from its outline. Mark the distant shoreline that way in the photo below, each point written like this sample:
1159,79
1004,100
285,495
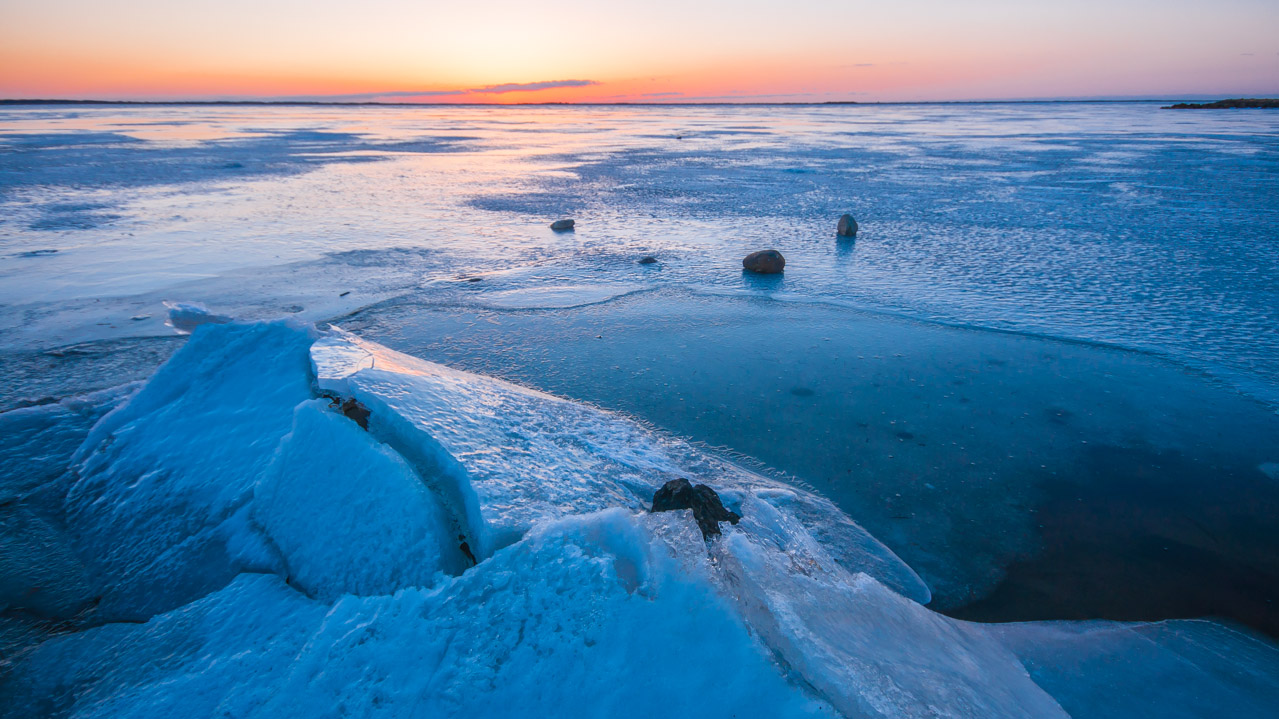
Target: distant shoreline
316,103
1237,103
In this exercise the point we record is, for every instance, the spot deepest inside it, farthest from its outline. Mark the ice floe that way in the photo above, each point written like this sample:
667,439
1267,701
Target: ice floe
230,544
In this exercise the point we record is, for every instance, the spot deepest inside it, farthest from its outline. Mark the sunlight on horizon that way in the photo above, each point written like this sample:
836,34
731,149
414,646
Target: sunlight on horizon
812,50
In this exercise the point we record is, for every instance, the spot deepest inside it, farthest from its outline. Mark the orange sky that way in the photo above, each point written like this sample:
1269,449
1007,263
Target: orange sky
662,50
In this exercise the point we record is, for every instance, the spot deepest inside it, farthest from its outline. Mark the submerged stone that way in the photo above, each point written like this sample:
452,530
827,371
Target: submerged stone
847,226
707,508
765,262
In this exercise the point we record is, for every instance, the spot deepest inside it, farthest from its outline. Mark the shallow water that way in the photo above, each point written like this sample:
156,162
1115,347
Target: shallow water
910,375
1113,483
1115,223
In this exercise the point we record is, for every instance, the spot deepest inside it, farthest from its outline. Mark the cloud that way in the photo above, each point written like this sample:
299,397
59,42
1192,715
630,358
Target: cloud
532,86
662,94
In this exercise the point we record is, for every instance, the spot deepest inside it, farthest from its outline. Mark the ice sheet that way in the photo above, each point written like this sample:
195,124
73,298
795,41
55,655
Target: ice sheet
867,650
158,491
348,514
1178,669
514,456
594,615
284,561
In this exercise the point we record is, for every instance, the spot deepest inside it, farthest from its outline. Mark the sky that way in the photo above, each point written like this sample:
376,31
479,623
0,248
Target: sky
508,51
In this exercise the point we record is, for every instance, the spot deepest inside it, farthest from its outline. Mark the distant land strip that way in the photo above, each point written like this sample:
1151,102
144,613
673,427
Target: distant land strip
1247,103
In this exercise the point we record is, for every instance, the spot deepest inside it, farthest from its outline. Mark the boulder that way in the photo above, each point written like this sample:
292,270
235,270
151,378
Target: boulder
561,225
707,508
847,226
647,260
765,262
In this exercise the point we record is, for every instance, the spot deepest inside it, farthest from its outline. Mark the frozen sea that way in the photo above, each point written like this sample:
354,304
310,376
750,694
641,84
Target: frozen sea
1042,382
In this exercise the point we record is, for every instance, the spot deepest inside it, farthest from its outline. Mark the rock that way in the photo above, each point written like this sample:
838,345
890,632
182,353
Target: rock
466,548
561,225
357,412
707,508
847,226
765,262
648,260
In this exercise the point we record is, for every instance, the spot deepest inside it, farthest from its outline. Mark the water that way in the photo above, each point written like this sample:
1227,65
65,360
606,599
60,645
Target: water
1044,373
1022,478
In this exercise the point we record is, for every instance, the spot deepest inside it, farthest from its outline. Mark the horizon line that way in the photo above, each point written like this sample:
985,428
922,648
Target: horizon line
340,103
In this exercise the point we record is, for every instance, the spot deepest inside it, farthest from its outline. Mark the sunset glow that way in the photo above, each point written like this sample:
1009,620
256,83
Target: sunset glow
662,51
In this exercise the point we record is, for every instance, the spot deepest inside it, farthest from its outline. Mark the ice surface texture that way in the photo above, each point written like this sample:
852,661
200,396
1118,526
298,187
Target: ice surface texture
1114,222
273,558
158,502
590,616
509,456
1175,669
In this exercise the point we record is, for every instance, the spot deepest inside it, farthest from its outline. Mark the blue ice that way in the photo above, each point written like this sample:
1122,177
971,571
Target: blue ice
253,552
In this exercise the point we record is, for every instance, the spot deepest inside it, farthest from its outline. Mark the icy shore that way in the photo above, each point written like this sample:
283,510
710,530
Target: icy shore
222,541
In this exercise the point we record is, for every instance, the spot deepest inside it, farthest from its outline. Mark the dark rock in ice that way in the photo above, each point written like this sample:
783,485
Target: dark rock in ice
765,262
353,410
847,226
561,225
466,548
707,508
675,494
648,260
